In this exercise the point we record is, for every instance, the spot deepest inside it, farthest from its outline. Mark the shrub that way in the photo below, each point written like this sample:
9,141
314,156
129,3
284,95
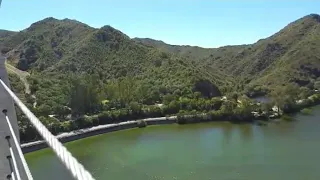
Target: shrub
287,117
66,126
181,119
141,123
306,111
105,117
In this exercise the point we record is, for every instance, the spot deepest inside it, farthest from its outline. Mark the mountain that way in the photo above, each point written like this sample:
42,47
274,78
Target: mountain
187,51
70,46
291,55
73,69
54,48
191,52
53,51
4,34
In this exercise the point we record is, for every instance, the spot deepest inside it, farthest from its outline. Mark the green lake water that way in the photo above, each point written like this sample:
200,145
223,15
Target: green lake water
217,151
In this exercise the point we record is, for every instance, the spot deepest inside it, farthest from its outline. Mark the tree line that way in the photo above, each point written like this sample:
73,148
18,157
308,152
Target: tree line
86,101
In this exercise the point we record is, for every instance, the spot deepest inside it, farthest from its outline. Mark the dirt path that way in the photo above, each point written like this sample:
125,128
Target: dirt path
21,74
23,77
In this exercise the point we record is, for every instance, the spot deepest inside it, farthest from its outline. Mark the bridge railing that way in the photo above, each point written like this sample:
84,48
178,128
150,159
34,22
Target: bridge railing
76,169
15,173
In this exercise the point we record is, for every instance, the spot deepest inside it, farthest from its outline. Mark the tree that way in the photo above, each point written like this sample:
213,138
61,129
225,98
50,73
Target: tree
265,108
136,108
246,104
168,98
234,96
77,98
44,110
284,97
197,95
244,109
51,123
317,85
172,108
216,103
121,90
228,106
84,96
61,111
304,93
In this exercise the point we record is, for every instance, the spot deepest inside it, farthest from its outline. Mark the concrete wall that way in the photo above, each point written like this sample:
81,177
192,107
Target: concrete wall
161,120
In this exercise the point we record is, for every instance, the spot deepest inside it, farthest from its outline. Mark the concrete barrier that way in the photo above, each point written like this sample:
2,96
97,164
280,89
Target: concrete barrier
159,121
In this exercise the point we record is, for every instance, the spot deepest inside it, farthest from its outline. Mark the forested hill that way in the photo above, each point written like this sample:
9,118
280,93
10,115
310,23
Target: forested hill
5,33
78,70
56,52
68,47
291,55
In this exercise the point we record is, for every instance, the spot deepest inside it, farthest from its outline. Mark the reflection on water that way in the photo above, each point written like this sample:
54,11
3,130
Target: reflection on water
220,151
246,133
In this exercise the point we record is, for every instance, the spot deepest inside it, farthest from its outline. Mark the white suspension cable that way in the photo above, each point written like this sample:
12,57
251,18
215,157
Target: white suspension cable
14,162
77,170
16,143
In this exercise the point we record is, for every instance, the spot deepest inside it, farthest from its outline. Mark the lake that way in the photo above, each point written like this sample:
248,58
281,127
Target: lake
219,151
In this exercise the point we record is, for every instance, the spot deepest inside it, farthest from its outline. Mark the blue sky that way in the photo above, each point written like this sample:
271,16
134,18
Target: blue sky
206,23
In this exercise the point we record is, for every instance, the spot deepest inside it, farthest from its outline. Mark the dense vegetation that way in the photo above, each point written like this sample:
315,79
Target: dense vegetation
289,56
82,76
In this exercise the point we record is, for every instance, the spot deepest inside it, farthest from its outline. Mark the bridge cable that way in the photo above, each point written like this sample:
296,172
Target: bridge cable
11,176
14,162
16,143
76,169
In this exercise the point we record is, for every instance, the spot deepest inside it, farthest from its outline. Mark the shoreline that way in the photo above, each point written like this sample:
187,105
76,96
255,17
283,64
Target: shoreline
97,130
106,128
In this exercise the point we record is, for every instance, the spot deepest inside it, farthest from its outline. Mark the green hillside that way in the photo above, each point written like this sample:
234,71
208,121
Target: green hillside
78,70
64,48
58,53
291,55
69,46
5,33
